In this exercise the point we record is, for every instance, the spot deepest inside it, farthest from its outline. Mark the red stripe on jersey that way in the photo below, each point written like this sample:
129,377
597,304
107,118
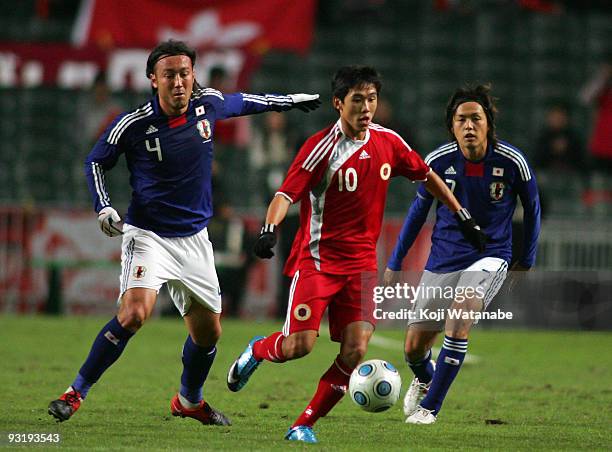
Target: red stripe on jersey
474,169
177,121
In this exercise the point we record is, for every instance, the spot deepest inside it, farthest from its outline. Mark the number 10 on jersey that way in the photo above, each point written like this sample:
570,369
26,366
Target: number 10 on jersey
347,179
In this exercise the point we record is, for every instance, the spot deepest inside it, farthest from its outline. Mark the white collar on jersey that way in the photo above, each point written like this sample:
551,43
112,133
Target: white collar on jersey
341,132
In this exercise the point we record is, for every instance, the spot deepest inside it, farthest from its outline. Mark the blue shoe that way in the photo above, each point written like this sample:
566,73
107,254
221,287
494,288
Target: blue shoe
301,433
244,366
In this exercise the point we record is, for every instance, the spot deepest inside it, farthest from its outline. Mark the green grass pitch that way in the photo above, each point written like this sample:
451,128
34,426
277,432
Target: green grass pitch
550,390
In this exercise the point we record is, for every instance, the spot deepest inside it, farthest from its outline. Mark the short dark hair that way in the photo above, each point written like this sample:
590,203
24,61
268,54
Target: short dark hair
480,94
169,48
349,77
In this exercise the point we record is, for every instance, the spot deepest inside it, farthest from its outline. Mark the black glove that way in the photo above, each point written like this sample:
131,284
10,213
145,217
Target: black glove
265,242
305,102
470,230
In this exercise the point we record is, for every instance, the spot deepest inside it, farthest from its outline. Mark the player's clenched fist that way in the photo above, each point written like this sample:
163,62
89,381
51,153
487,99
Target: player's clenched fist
265,242
470,230
110,222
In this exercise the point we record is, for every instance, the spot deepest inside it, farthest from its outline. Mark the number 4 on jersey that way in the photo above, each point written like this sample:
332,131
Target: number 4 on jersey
156,148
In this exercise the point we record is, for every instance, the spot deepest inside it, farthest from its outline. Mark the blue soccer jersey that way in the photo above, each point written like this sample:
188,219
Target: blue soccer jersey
488,189
170,158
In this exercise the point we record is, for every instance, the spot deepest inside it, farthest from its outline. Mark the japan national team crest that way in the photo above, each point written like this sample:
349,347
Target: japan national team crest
204,128
496,189
139,272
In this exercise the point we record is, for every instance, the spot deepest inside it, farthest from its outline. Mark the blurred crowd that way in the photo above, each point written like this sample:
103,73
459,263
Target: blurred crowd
573,162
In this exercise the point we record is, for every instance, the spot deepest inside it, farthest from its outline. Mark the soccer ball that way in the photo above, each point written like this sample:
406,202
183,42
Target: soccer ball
375,385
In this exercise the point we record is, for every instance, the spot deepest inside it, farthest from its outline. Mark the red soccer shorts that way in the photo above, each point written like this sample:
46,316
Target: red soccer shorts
347,296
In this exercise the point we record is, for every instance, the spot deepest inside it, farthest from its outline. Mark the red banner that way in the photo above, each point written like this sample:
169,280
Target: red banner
116,36
256,25
32,65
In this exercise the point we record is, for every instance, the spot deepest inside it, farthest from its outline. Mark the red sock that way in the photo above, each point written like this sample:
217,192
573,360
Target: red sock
270,348
332,387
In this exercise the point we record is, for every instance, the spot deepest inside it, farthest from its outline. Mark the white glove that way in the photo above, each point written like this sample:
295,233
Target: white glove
110,222
305,102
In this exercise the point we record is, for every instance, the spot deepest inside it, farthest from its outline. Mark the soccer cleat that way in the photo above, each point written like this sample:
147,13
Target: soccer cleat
416,392
64,407
206,414
421,416
244,366
301,433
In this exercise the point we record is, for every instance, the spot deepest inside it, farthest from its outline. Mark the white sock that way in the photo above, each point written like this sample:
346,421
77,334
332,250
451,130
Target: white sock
187,404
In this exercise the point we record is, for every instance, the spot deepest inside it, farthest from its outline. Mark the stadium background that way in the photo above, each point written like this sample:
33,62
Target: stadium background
536,54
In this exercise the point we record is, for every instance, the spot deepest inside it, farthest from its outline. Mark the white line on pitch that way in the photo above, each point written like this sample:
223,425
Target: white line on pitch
393,344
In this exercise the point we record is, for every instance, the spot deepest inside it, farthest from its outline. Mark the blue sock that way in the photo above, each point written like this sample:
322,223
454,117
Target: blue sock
197,361
105,350
447,367
423,369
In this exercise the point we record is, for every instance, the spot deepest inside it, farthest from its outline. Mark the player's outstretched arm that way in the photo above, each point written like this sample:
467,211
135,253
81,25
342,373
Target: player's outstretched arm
470,230
241,104
277,211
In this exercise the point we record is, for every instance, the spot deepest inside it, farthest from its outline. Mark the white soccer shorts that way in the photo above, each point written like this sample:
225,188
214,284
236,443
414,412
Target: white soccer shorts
438,290
186,264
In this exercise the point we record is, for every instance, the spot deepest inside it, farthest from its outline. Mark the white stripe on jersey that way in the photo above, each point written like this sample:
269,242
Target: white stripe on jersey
254,98
207,92
296,276
320,150
380,128
344,150
283,101
517,158
123,124
98,176
442,150
316,224
323,152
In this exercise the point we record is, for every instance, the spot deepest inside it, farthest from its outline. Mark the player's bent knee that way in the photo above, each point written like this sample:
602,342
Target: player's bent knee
417,345
132,319
415,354
353,354
295,347
216,333
136,307
208,338
300,349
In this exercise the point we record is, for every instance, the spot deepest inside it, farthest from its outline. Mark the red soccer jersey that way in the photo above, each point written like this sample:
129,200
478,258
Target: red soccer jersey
343,184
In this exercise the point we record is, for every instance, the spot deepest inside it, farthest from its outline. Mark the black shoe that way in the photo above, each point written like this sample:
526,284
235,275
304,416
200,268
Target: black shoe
64,407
